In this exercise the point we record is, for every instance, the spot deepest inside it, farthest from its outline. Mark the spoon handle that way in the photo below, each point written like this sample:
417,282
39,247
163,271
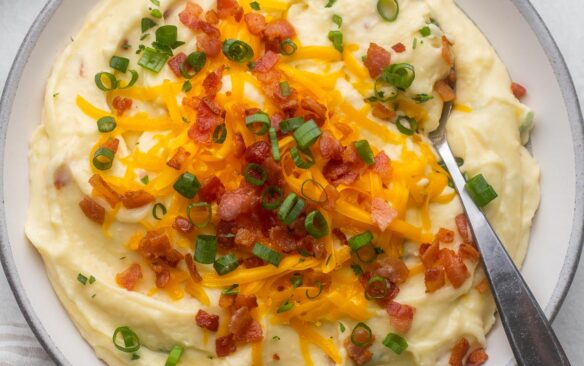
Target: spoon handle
530,335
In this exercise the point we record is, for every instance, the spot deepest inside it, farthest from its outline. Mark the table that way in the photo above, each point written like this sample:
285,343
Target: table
18,345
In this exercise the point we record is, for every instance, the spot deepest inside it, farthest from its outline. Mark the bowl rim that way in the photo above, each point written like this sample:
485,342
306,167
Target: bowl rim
526,9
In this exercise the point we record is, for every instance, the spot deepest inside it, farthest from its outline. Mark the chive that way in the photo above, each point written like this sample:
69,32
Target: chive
275,338
208,217
227,263
255,174
145,180
131,341
342,327
82,279
167,35
91,280
266,254
296,280
322,192
103,158
187,185
119,63
388,9
111,79
481,192
153,60
187,86
297,157
159,207
285,89
274,142
336,37
415,43
272,197
258,123
238,51
307,134
395,342
231,290
338,20
361,335
422,98
376,288
330,3
291,124
410,128
155,2
197,60
359,241
286,306
156,13
288,47
131,82
255,5
320,287
147,24
357,269
174,356
220,134
426,31
400,75
106,124
364,150
384,91
316,225
206,249
290,209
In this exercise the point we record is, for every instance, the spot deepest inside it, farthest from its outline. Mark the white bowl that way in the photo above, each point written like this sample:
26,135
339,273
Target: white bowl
517,33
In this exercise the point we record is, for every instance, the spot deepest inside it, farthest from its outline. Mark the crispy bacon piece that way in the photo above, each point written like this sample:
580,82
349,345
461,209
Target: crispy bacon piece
190,15
211,190
382,166
434,279
463,228
393,269
182,224
179,158
209,44
240,321
284,239
378,58
276,357
249,301
468,251
253,333
400,316
130,277
276,32
212,82
212,17
459,350
226,301
226,234
266,62
235,203
256,23
274,170
359,355
341,236
245,237
446,54
207,321
518,90
445,91
445,235
257,152
111,144
104,190
227,8
155,246
239,145
224,346
382,213
383,112
429,254
92,210
252,262
137,199
477,357
192,268
176,62
338,172
207,120
330,148
61,176
399,47
455,268
311,105
121,104
351,155
162,274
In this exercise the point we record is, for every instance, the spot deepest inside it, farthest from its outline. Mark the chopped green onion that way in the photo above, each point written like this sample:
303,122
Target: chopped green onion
155,2
320,287
153,60
361,335
395,342
156,13
131,341
336,37
285,89
426,31
367,254
288,47
112,81
255,174
91,280
272,196
415,43
131,82
297,157
119,63
316,225
158,207
307,134
145,179
481,192
357,269
187,185
384,91
147,24
231,290
187,86
422,98
208,216
227,263
376,288
220,134
359,241
266,254
388,9
174,356
296,280
410,129
166,35
237,50
274,142
135,356
400,75
305,187
330,3
103,158
197,60
258,123
342,327
286,306
365,152
254,5
338,20
290,209
206,249
106,124
82,279
291,124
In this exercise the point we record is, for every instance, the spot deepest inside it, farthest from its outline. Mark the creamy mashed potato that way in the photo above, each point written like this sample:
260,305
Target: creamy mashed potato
484,130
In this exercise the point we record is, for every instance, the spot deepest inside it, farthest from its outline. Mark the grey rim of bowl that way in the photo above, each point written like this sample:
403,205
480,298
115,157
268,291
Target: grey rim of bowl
525,8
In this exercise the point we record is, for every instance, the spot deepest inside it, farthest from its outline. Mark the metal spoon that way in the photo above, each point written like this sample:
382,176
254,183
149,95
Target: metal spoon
530,335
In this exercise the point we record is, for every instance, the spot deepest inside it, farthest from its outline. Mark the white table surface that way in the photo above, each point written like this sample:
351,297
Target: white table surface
564,18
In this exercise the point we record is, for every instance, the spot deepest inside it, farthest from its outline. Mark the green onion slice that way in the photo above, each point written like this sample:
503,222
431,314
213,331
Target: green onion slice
231,290
338,20
187,185
291,208
187,86
255,5
255,174
266,254
82,279
288,47
361,335
342,327
320,287
174,356
220,134
422,98
227,263
406,125
388,9
112,82
365,152
206,249
307,134
384,91
316,225
425,31
147,24
258,123
166,35
296,280
103,158
357,269
336,37
285,89
153,60
481,192
131,342
330,3
119,63
395,342
159,207
237,50
376,288
291,124
311,185
272,197
106,124
208,216
274,142
400,75
286,306
359,241
132,81
299,160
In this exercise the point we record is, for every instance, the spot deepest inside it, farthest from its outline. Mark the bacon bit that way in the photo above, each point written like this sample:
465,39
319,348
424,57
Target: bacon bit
224,346
249,301
240,321
104,190
190,15
463,228
206,121
130,277
121,104
211,190
359,355
256,23
245,237
253,333
459,350
382,213
341,236
378,58
252,262
239,145
383,112
400,316
191,102
212,82
257,152
61,176
446,54
192,268
179,158
477,357
226,301
382,167
176,62
445,235
227,8
468,251
274,170
137,199
207,321
430,254
92,210
275,357
311,105
156,247
338,172
276,32
445,91
111,144
455,268
212,17
434,279
283,239
182,224
330,148
393,269
234,203
226,234
399,47
162,275
266,62
483,286
351,155
518,90
208,44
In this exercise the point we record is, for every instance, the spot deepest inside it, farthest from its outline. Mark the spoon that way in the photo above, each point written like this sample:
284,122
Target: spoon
530,335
